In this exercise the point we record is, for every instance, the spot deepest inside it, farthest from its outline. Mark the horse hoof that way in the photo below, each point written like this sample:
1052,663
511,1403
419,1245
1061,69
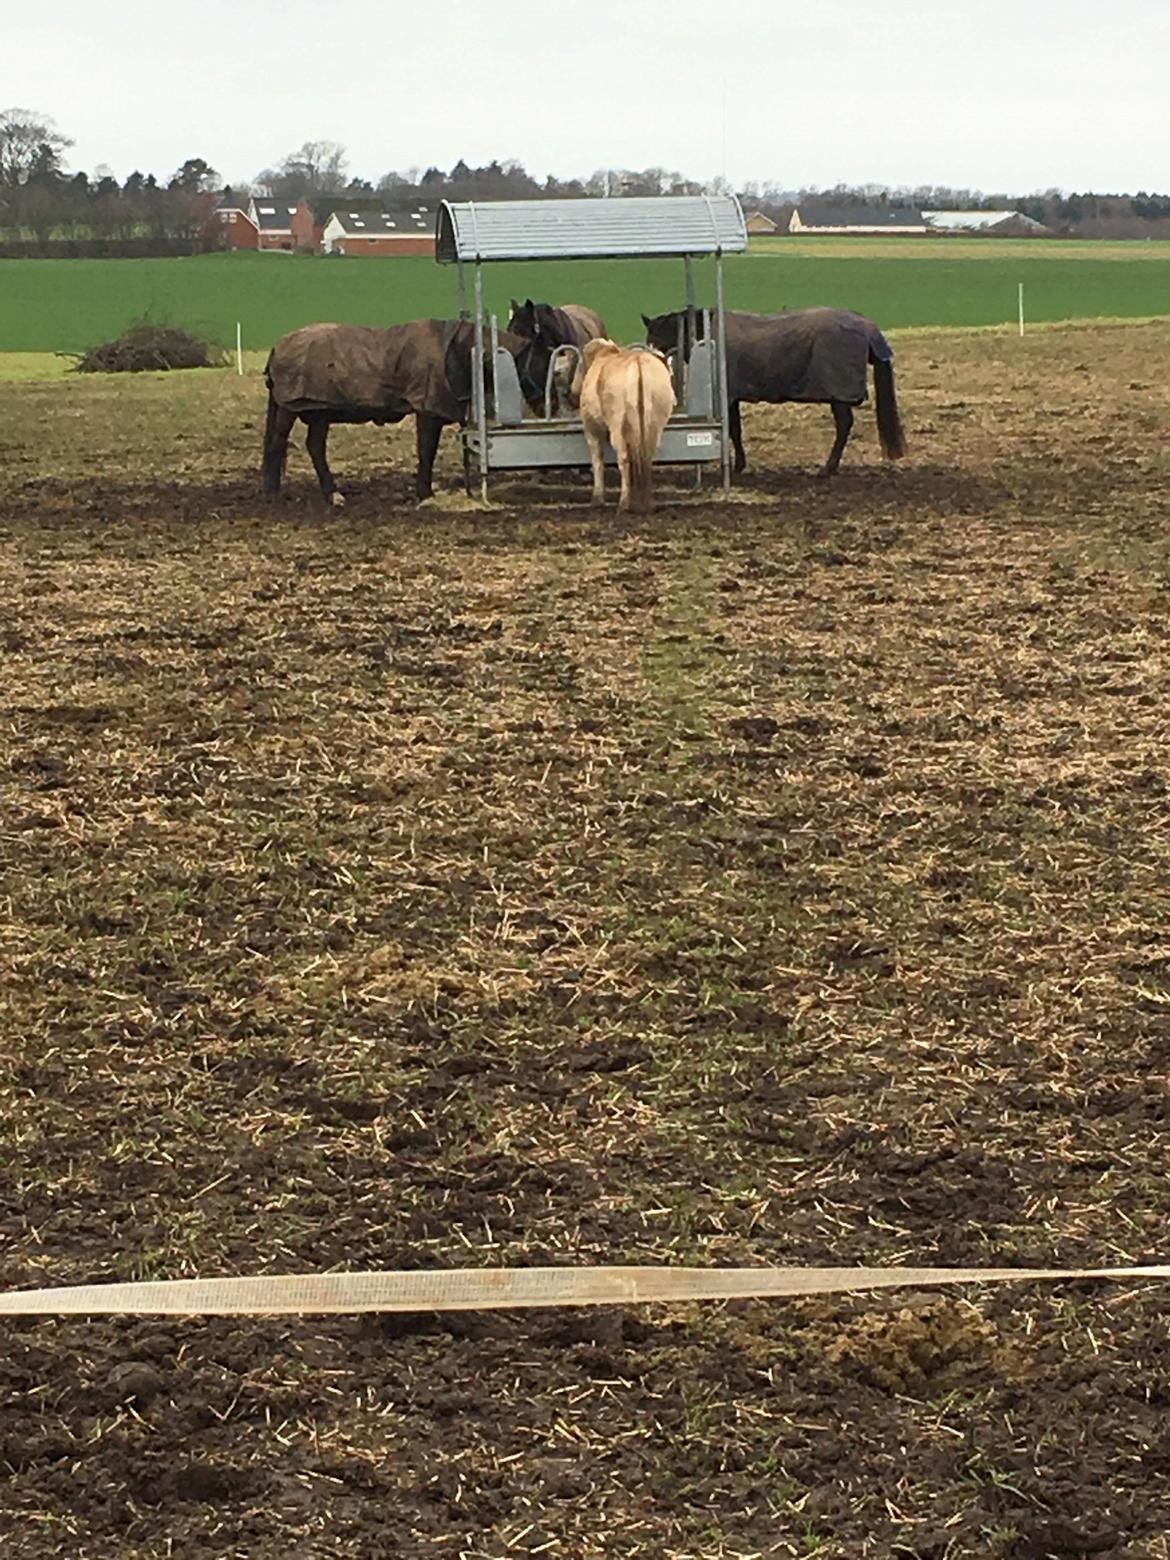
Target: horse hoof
336,501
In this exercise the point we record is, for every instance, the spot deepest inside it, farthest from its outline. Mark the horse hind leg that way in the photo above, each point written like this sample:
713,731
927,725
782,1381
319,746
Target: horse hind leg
843,418
316,441
427,431
277,427
595,438
621,449
735,429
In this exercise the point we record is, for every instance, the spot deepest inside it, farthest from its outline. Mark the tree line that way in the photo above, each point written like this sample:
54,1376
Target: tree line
1079,215
42,201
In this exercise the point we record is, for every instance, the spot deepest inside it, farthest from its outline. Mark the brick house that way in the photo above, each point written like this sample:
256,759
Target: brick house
403,229
240,232
273,221
305,227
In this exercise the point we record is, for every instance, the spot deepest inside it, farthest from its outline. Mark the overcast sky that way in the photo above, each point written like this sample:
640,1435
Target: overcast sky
1012,95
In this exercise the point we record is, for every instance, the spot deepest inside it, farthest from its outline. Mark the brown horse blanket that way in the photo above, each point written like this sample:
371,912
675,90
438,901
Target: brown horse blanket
808,355
387,374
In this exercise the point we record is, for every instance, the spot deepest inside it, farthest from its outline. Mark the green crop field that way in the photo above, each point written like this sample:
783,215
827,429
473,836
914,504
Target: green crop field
65,305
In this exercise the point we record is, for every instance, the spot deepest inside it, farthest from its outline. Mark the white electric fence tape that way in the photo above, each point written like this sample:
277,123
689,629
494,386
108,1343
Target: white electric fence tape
478,1289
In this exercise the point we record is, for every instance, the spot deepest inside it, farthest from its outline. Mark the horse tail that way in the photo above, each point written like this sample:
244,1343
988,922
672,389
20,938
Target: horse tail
888,422
638,452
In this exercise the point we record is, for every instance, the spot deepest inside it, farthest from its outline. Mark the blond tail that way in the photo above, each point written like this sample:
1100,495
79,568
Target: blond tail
639,455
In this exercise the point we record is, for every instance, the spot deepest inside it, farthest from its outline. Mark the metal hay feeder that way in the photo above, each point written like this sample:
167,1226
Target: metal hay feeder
681,227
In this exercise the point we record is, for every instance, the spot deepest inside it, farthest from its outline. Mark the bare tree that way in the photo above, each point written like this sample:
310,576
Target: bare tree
30,146
316,168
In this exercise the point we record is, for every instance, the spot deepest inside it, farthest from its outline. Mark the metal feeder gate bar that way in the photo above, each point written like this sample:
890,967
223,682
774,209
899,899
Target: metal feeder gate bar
680,227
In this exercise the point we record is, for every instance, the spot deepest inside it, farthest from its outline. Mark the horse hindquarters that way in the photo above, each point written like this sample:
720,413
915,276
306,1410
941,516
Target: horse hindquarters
647,414
278,425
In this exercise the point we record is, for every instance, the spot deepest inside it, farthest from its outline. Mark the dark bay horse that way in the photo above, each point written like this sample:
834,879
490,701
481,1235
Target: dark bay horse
819,355
326,374
545,329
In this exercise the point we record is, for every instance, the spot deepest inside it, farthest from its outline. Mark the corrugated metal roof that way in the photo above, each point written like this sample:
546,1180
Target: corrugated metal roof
974,221
589,229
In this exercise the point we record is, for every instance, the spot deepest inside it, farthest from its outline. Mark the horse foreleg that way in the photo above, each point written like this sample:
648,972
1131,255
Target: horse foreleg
315,442
277,428
843,417
735,428
427,429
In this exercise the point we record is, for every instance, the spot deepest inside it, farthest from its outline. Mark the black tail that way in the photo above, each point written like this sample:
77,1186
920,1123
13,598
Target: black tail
888,422
275,447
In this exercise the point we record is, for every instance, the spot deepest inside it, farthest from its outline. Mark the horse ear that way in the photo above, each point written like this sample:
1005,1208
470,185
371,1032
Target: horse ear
647,321
515,307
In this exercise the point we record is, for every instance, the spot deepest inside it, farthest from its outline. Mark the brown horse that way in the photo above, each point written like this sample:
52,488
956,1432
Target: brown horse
627,396
546,328
817,355
326,374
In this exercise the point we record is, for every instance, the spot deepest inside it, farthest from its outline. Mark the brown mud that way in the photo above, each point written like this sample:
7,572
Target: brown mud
780,881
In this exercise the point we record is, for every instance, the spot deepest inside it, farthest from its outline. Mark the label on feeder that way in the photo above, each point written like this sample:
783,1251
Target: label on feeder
695,439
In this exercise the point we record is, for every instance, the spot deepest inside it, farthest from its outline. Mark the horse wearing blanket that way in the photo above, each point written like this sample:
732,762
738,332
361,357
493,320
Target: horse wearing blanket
808,355
349,373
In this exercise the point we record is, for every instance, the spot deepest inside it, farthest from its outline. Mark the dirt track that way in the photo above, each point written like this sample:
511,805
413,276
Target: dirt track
784,881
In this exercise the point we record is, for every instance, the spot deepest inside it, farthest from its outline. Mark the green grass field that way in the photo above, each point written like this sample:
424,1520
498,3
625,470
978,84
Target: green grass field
66,305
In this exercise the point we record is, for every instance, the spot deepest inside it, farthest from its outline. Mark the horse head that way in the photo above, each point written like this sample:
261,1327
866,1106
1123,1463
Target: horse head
532,370
524,321
662,331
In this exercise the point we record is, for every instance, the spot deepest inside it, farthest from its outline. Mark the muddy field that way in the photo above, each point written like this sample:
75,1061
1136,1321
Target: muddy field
784,881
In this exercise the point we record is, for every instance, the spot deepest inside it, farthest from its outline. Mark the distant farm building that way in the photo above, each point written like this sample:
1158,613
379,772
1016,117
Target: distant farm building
760,222
812,218
407,229
240,231
1005,224
273,220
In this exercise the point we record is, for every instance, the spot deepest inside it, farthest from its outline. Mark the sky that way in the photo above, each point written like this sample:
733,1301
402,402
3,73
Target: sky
993,96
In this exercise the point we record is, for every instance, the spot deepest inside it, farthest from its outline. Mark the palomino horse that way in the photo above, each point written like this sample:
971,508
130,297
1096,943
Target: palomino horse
546,328
625,394
809,355
348,373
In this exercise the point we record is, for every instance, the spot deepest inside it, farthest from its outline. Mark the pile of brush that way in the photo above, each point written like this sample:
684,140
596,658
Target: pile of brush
146,345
